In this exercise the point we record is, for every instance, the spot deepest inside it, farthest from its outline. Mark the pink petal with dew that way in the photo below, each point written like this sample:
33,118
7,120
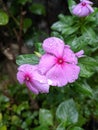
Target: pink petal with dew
80,54
46,62
31,87
77,9
27,68
40,82
84,12
41,87
91,10
40,78
69,56
72,72
20,77
57,75
53,46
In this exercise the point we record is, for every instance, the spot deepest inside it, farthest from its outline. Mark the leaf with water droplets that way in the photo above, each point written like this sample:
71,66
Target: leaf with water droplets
88,66
67,112
27,59
83,88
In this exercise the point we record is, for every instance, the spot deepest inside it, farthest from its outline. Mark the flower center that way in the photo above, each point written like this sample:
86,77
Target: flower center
83,4
60,60
27,78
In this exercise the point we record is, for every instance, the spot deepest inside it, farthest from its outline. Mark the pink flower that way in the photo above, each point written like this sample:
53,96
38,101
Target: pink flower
83,8
29,75
59,63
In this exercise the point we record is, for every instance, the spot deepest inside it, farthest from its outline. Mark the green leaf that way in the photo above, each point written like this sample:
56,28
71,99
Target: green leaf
21,107
41,128
65,19
45,117
69,30
96,15
27,59
89,31
15,120
76,128
58,26
67,112
79,43
84,88
3,98
87,65
0,117
37,9
4,19
61,127
86,71
27,24
65,25
4,127
71,3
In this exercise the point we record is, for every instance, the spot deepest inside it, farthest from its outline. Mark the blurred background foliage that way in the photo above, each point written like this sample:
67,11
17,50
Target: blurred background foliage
23,26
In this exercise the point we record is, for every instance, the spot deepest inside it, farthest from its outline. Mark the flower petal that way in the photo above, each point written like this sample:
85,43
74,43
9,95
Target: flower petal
46,62
41,87
40,82
27,67
80,53
77,9
91,10
54,46
72,72
85,12
32,87
57,76
69,56
20,77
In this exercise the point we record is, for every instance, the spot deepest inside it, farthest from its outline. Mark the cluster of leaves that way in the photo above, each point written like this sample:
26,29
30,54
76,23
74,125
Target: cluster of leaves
61,109
66,108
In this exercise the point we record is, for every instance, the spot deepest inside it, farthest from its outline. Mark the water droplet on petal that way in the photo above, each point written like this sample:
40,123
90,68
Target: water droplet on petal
41,81
49,82
50,44
73,63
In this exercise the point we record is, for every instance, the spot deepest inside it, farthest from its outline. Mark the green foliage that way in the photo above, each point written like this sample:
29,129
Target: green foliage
84,88
45,117
76,128
27,59
61,127
71,3
4,18
87,65
67,112
38,9
27,24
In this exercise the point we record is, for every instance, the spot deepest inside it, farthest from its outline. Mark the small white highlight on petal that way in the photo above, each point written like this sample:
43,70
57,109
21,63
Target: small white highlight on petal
41,81
50,82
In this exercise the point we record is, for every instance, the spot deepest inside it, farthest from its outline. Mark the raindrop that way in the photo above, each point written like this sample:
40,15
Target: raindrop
73,63
49,82
50,44
41,81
